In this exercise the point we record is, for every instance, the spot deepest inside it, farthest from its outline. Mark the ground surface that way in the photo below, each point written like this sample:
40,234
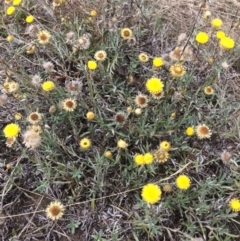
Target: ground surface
102,196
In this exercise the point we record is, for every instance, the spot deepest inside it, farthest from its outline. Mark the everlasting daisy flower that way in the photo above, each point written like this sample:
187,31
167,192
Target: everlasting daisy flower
177,70
10,141
208,90
90,115
158,62
108,154
92,65
183,182
203,131
11,130
100,55
141,100
29,19
216,23
160,156
154,85
126,33
227,43
31,139
220,34
165,145
158,96
48,85
34,117
43,37
139,159
151,193
69,104
55,210
10,10
120,118
16,2
122,144
85,143
202,37
189,131
148,158
143,58
234,204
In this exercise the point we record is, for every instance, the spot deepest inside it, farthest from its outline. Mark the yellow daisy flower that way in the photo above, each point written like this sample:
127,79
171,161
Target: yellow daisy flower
10,10
92,65
189,131
11,130
85,143
165,145
234,204
202,37
29,19
217,23
148,158
151,193
48,85
90,115
227,43
139,159
154,85
183,182
158,62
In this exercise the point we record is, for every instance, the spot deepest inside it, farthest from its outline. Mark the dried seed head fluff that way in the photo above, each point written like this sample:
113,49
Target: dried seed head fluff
31,139
74,87
70,37
32,30
3,99
48,66
36,80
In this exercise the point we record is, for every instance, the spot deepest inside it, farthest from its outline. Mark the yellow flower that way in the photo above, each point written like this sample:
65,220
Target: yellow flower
10,38
154,85
165,146
90,115
108,154
183,182
202,37
10,10
208,90
100,55
126,33
234,204
17,2
177,70
190,131
92,65
55,210
29,19
220,34
48,85
143,58
122,144
203,131
227,43
85,143
151,193
43,37
69,104
148,158
139,159
11,130
158,62
216,23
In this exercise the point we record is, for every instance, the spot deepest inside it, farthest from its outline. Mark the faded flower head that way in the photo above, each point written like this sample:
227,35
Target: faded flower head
120,118
43,37
203,131
32,30
69,104
122,144
55,210
160,156
36,80
100,55
74,87
34,117
48,66
126,33
177,70
141,100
